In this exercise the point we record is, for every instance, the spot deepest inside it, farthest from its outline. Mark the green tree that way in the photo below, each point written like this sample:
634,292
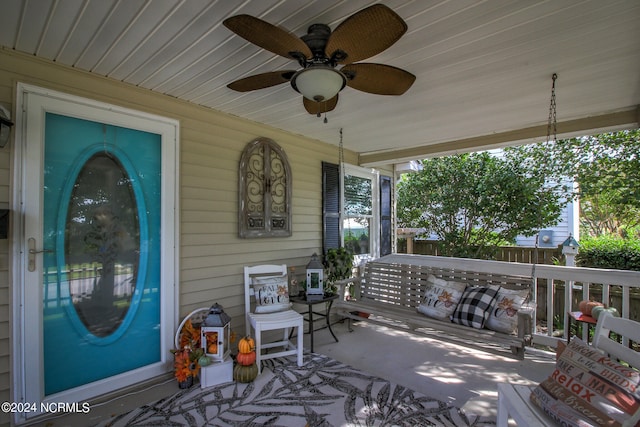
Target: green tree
606,168
475,201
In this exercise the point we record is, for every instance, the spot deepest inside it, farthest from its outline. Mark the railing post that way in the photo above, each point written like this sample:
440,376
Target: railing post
568,298
550,304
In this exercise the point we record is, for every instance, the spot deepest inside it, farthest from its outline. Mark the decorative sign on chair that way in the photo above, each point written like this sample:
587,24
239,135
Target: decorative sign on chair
265,191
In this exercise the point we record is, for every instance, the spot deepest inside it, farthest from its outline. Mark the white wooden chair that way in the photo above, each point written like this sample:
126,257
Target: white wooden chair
264,322
627,329
514,402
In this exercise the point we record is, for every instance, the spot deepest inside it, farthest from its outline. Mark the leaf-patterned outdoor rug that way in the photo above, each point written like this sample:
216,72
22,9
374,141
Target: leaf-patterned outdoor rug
323,392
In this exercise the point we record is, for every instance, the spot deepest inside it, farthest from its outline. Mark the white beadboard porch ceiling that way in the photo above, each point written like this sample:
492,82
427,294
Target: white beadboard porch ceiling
483,67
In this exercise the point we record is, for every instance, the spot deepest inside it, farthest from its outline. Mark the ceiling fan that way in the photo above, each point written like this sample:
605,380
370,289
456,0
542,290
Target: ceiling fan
319,52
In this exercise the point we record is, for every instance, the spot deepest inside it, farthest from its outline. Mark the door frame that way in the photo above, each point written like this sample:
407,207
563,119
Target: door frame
32,102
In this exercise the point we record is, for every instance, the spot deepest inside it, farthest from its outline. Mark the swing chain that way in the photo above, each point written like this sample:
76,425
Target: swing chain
552,124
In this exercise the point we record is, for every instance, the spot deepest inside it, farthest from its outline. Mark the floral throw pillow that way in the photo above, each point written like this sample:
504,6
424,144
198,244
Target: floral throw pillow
441,298
272,294
504,316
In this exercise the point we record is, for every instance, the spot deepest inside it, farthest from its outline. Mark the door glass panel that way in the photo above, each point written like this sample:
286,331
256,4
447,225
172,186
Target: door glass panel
102,244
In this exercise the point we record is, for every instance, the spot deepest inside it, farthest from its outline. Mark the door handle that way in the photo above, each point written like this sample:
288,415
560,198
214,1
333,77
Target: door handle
31,245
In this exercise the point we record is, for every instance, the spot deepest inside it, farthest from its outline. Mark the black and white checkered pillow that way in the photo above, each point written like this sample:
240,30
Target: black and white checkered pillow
475,306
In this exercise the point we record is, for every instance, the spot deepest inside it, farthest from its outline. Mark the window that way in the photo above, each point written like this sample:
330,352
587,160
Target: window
356,211
265,191
360,212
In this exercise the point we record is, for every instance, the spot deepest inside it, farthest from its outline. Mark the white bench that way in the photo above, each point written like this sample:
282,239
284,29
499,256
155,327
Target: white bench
514,400
390,289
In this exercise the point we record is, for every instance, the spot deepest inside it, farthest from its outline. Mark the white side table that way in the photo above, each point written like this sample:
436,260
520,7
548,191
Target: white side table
514,403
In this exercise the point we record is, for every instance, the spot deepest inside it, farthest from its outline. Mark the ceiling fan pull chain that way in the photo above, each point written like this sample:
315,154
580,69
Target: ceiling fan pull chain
325,112
552,128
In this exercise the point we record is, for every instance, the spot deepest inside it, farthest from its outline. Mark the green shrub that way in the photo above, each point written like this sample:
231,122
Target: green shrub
609,252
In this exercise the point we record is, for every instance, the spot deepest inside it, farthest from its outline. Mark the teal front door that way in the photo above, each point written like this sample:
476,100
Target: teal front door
96,277
101,229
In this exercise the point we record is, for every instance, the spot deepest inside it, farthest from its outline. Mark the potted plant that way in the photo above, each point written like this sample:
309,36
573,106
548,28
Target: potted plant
185,367
338,264
189,357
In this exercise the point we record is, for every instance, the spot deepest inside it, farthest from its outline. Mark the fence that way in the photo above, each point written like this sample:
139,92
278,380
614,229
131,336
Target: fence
524,254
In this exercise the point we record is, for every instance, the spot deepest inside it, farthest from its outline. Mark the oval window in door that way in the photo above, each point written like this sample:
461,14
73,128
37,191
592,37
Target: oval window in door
102,244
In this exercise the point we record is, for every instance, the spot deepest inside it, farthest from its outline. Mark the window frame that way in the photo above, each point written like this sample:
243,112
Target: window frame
374,226
332,211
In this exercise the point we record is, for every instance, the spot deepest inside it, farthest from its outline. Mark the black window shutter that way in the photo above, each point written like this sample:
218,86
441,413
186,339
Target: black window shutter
330,206
385,215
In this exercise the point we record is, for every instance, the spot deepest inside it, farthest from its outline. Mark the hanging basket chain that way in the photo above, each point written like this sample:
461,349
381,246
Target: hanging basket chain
552,125
552,131
341,161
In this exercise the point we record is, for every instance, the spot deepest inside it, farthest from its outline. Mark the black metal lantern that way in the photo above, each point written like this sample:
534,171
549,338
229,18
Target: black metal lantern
216,333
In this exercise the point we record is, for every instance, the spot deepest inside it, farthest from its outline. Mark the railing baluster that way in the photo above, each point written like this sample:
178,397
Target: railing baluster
550,304
626,301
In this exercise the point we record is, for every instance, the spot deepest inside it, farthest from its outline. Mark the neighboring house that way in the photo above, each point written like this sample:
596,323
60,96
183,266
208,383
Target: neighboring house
554,236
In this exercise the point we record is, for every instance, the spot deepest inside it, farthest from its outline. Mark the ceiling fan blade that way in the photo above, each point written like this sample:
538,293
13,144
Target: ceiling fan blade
267,36
365,34
261,81
378,79
317,108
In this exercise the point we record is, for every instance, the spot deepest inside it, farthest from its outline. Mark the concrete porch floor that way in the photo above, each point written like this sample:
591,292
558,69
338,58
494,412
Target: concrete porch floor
465,377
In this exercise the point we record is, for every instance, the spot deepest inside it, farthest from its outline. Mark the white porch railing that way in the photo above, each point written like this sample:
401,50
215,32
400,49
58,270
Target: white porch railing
553,284
614,288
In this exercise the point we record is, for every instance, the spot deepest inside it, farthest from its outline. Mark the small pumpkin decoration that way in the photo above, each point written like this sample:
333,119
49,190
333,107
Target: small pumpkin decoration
204,360
246,345
245,374
586,307
582,306
596,311
613,311
213,348
246,359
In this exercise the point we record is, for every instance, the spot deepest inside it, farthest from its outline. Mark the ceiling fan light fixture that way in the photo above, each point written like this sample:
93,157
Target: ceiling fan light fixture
318,83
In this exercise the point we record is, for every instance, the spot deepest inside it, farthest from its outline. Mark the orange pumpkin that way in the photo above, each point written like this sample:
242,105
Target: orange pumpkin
582,306
212,349
246,359
246,345
587,306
